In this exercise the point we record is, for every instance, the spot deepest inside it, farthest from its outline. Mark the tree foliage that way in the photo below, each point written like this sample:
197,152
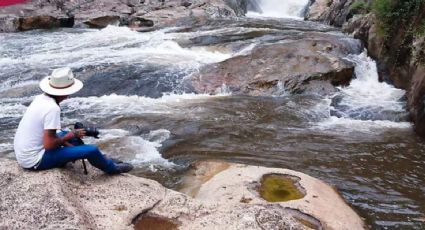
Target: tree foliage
394,14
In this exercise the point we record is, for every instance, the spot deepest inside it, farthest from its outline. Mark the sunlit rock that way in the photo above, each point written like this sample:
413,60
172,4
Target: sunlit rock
66,198
313,66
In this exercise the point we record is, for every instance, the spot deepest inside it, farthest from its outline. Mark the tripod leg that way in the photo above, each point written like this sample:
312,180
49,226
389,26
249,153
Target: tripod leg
85,167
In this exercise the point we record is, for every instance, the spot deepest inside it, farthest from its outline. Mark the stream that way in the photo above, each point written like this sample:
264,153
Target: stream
358,140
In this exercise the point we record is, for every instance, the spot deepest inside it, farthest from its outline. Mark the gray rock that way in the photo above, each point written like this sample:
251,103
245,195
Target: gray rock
9,24
333,12
103,21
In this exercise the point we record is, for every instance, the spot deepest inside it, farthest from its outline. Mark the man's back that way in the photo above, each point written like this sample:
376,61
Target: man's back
42,114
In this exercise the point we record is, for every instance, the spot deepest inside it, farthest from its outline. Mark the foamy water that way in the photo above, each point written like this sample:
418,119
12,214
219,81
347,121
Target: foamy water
94,47
366,94
139,150
126,105
281,9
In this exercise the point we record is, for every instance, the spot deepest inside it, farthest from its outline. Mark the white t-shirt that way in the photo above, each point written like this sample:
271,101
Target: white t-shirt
43,113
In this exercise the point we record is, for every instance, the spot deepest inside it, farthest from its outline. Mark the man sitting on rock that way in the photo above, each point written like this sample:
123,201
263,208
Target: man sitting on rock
37,145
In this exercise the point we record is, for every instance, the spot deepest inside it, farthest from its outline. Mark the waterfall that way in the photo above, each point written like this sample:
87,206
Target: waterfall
279,8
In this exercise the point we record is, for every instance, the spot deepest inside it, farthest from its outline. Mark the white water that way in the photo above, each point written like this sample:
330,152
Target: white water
128,105
139,150
116,45
366,93
112,45
281,8
94,47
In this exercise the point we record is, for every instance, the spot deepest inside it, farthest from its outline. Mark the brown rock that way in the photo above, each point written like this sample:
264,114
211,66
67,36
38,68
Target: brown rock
303,66
45,14
44,22
101,22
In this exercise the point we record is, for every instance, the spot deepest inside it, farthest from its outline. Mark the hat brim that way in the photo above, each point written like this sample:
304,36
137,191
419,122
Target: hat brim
45,86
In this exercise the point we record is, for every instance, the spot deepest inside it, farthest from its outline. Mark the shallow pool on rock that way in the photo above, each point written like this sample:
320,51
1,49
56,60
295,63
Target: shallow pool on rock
150,222
279,188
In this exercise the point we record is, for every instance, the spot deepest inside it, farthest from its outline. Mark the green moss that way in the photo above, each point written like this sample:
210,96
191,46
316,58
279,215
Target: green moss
279,188
420,31
359,7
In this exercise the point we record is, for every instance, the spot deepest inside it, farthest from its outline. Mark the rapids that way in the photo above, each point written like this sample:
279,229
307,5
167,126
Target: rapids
280,8
358,140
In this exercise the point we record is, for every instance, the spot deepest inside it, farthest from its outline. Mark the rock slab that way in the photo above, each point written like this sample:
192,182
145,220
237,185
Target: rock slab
309,65
68,199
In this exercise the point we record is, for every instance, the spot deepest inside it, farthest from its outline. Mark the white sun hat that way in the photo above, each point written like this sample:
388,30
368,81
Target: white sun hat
61,83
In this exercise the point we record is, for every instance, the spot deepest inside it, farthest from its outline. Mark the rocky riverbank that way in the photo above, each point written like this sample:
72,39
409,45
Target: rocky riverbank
66,198
140,15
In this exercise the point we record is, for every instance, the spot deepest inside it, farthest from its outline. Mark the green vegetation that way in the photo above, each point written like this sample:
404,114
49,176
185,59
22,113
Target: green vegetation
360,7
396,14
421,29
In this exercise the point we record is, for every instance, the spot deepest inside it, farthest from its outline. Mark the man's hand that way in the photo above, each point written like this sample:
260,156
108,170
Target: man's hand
51,141
79,133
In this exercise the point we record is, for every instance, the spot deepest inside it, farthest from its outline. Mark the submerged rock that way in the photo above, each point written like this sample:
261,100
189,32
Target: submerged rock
309,65
66,198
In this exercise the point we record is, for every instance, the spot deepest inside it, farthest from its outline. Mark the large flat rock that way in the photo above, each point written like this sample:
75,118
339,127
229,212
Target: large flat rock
68,199
238,184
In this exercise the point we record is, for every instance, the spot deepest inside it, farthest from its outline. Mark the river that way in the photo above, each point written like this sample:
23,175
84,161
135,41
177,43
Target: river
357,140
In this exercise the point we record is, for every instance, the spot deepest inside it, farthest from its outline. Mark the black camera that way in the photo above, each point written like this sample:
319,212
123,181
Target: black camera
90,131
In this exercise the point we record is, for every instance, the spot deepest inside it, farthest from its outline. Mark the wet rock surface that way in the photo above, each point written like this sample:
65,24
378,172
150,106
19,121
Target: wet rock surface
66,198
307,65
280,188
142,80
332,12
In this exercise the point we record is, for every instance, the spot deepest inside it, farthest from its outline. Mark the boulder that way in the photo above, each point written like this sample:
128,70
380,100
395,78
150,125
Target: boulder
103,21
66,198
333,12
44,22
319,205
9,24
31,16
416,92
313,65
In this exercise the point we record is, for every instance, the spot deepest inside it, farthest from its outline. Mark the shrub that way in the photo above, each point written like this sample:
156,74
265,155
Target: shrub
395,14
360,7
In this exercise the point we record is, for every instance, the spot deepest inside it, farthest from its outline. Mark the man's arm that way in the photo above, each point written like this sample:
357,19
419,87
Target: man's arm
52,141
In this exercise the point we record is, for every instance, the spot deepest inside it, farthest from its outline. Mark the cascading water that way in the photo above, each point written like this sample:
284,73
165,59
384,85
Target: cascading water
357,140
79,49
280,8
366,104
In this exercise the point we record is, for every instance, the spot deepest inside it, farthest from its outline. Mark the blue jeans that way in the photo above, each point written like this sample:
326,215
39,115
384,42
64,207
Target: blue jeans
56,158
